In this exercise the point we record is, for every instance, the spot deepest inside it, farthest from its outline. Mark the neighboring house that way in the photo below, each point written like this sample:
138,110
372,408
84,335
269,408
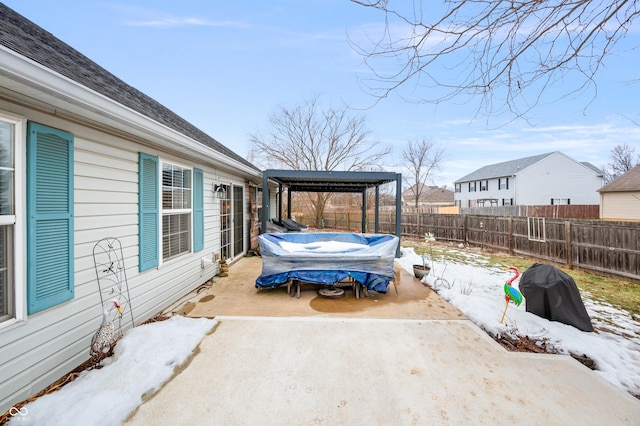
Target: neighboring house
430,196
620,198
545,179
85,156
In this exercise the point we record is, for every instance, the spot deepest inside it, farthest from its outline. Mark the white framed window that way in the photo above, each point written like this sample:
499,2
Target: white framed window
176,210
503,183
487,202
226,225
12,295
536,229
170,210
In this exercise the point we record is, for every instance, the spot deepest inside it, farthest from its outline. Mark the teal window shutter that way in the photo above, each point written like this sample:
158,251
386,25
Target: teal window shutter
198,210
148,212
50,217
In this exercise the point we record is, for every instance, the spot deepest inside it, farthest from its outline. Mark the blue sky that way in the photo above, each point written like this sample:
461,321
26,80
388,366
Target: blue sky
225,66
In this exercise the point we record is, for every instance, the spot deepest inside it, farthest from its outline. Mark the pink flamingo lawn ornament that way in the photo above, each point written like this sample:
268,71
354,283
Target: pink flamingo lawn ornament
511,293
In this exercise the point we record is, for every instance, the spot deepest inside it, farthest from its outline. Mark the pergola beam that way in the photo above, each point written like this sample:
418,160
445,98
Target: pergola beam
330,181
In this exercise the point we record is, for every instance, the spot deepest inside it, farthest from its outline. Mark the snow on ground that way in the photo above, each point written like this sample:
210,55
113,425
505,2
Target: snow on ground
476,288
143,360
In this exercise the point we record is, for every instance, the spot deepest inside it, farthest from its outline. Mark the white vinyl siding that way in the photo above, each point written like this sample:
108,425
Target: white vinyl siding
620,206
42,348
557,177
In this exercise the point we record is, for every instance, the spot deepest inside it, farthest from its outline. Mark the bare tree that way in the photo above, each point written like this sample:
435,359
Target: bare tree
623,158
506,52
307,137
422,158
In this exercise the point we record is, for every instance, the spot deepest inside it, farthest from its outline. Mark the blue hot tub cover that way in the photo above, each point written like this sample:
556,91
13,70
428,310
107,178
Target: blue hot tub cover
327,258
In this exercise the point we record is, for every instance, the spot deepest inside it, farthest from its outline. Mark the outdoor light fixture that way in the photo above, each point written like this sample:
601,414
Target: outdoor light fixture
219,190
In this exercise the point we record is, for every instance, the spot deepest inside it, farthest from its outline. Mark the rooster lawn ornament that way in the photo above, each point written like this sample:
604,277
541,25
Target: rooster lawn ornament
511,293
105,337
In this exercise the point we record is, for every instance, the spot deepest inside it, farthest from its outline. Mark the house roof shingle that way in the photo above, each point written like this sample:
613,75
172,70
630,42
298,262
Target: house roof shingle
429,194
626,182
506,168
26,38
594,168
510,168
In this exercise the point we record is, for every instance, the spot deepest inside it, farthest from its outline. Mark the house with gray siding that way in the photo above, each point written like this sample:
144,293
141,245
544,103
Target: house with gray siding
84,156
545,179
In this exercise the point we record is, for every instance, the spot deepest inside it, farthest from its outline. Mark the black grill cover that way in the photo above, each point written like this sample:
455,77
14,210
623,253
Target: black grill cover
552,294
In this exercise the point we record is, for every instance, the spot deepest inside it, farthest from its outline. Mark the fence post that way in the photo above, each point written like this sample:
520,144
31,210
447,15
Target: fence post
510,236
464,230
567,242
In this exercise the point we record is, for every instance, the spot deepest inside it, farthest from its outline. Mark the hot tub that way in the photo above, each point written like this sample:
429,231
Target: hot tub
327,258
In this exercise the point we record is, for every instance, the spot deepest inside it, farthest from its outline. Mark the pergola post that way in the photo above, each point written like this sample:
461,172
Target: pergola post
377,215
265,203
398,209
279,201
364,212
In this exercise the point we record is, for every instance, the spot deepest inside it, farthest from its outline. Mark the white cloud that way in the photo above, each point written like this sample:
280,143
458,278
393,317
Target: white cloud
180,21
136,16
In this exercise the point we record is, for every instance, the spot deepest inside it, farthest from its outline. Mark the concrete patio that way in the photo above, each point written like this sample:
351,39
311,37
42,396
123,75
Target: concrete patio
405,358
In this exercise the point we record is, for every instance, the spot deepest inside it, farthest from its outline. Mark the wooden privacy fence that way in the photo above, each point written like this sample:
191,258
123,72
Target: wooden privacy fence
604,246
575,211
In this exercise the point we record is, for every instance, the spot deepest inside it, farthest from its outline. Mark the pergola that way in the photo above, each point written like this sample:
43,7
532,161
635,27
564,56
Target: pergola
331,181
